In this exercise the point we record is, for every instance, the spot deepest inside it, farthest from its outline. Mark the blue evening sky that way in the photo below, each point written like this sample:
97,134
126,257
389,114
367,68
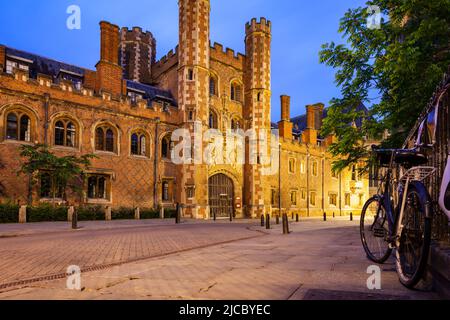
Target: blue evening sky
300,27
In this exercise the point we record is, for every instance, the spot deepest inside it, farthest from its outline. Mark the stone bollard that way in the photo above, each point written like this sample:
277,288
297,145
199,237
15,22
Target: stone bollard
178,214
324,216
285,224
231,216
137,213
292,216
262,220
351,216
23,214
108,213
75,220
161,213
267,221
278,219
297,218
70,213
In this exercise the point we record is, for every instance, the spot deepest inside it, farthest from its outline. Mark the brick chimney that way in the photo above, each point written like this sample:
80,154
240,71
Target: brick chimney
285,125
2,58
109,72
314,114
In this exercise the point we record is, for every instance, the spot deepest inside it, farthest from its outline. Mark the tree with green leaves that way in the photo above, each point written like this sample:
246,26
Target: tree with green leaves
393,70
63,172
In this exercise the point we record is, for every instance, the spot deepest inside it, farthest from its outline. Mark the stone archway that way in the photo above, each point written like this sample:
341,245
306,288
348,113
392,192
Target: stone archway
221,196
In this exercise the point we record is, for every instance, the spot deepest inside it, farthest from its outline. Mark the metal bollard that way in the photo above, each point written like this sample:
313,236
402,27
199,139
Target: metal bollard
334,215
297,219
351,216
278,219
262,220
292,216
267,221
231,216
215,217
75,220
324,216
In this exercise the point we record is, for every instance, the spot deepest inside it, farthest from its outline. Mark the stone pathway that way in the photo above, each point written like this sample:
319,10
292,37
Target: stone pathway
318,260
45,253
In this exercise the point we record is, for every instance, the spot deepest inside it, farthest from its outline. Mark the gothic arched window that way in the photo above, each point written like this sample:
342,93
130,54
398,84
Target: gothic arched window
139,144
105,139
166,147
65,133
18,126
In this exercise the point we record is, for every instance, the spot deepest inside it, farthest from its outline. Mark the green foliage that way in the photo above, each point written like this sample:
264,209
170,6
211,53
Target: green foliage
393,70
90,213
65,172
149,214
9,213
170,213
46,212
122,213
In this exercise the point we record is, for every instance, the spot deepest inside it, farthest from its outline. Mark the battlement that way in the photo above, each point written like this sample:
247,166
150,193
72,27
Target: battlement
261,25
227,55
165,62
136,33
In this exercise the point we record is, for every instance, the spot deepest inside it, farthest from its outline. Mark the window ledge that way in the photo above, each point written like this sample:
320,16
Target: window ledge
64,148
98,201
137,157
51,200
9,141
105,153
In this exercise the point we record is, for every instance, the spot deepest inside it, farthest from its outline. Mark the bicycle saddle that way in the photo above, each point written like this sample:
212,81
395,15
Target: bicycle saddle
410,158
405,157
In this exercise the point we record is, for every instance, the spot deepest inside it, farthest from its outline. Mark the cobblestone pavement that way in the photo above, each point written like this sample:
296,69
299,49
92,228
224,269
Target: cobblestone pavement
318,260
34,251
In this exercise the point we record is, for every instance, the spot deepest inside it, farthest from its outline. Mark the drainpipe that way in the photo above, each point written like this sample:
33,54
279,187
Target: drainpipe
46,121
155,164
323,185
307,180
340,194
279,179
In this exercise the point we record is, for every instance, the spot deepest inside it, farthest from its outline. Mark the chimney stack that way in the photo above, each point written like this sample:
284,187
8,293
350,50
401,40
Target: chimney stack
2,58
314,114
285,108
109,72
285,126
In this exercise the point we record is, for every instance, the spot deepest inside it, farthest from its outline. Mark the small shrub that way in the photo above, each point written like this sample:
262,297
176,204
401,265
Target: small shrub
90,213
149,214
9,213
122,214
46,212
170,213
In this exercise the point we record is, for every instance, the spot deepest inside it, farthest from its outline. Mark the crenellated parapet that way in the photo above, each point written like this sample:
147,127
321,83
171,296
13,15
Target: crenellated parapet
227,56
137,54
165,63
261,25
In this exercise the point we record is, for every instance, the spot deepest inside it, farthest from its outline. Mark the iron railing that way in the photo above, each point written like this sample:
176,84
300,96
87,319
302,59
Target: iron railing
438,154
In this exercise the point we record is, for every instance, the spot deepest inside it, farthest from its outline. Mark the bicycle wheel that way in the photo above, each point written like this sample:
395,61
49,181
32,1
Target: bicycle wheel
374,230
412,253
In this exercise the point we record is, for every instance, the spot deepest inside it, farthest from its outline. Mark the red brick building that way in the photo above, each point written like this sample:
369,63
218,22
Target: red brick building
125,110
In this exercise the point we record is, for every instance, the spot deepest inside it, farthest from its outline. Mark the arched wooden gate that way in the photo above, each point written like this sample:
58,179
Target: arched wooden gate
221,196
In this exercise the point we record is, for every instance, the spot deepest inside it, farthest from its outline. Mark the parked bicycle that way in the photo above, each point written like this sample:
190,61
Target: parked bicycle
400,216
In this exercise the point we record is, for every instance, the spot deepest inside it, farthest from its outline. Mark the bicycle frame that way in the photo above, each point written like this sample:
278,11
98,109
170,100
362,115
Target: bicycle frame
444,195
395,211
